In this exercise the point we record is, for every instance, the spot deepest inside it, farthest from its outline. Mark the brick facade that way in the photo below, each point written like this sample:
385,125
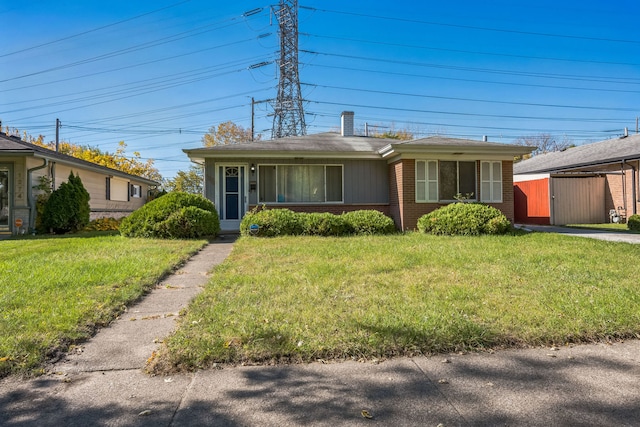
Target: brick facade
406,212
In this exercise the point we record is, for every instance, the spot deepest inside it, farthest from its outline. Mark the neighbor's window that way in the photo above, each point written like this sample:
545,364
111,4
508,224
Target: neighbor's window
299,183
117,189
491,182
136,191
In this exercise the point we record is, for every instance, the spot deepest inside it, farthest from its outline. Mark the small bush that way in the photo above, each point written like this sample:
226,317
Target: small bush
369,222
464,219
323,224
103,224
67,208
165,217
189,222
284,222
633,223
271,222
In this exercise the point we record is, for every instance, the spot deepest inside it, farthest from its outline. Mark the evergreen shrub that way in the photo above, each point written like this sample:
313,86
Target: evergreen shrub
467,219
284,222
369,222
166,217
633,223
67,208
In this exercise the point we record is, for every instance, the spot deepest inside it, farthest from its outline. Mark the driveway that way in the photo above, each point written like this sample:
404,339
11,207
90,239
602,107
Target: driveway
612,236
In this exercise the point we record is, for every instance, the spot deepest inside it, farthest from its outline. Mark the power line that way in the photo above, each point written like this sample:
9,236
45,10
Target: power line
469,80
490,101
507,55
93,30
471,27
600,79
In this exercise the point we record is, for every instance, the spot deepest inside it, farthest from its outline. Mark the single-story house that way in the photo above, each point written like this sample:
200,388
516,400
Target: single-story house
113,193
589,184
339,172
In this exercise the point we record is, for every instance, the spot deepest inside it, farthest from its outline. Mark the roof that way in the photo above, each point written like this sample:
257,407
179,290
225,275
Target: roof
594,154
333,145
13,145
319,144
441,144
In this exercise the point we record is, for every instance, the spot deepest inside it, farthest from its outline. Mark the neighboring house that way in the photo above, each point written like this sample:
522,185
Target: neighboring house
592,183
340,172
113,193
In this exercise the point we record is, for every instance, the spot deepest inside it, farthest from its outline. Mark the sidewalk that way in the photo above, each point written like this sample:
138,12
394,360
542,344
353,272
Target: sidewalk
104,384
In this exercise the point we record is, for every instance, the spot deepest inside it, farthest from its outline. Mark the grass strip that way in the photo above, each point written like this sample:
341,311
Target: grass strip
55,291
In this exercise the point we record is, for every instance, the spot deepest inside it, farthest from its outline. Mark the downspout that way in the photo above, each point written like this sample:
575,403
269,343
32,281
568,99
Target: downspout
30,202
634,194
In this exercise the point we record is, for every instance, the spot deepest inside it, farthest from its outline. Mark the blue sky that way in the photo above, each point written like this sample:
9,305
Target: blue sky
157,74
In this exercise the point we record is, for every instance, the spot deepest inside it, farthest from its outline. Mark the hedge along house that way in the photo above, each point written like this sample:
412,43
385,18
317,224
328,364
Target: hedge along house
113,193
589,184
340,172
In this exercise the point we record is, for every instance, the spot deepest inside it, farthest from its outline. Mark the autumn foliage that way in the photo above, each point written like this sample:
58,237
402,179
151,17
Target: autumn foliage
119,160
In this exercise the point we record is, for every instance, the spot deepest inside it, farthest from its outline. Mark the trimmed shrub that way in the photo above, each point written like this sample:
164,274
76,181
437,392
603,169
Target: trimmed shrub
284,222
369,222
165,217
323,224
464,219
633,223
189,222
67,208
271,222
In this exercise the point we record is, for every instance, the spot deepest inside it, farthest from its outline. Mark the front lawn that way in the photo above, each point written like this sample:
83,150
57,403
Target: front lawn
55,291
303,298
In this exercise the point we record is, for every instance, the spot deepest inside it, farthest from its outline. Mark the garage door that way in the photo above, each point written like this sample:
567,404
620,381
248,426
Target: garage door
578,200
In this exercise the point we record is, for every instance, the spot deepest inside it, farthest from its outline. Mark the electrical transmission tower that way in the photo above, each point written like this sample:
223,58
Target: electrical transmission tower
288,118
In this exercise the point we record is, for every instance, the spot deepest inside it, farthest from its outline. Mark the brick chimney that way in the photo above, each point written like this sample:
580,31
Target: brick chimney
346,123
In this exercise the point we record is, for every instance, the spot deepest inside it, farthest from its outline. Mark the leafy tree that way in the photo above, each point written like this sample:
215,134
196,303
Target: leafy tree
119,160
401,135
544,143
190,181
227,133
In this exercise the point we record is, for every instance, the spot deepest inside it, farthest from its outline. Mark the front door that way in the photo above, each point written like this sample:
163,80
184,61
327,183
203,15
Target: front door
5,207
232,202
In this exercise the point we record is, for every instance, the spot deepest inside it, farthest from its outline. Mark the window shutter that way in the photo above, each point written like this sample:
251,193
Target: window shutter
108,188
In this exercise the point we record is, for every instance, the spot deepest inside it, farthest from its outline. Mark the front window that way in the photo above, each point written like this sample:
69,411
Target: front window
300,183
445,180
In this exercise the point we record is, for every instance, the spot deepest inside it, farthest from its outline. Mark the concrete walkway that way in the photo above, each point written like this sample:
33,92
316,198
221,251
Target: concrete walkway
103,383
611,236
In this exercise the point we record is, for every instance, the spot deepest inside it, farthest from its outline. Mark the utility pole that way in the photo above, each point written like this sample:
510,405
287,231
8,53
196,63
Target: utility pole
288,118
57,135
253,103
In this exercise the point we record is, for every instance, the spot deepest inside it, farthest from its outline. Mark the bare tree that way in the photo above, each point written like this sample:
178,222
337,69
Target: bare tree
544,143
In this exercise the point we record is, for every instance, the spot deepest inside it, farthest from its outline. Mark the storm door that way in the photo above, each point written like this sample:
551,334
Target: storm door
232,195
5,207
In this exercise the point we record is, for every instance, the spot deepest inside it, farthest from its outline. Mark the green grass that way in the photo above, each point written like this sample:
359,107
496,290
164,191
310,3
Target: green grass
304,298
55,291
617,227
